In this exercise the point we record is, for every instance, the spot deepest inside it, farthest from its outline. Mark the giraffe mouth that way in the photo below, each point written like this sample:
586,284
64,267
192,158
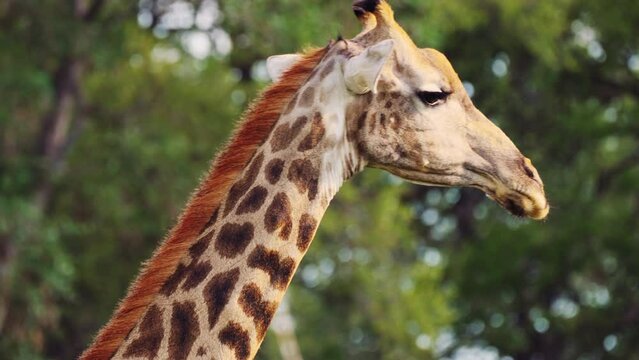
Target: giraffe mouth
520,205
519,200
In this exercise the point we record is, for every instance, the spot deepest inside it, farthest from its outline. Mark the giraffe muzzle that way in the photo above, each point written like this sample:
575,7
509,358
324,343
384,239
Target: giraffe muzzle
520,191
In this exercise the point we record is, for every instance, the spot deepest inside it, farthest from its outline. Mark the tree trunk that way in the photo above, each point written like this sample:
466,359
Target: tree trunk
284,328
56,128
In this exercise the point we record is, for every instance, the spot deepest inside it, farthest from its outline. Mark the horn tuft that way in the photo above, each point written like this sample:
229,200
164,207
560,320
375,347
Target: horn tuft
361,7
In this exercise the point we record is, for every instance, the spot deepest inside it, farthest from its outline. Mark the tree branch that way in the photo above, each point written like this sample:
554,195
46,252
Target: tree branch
57,125
93,11
605,180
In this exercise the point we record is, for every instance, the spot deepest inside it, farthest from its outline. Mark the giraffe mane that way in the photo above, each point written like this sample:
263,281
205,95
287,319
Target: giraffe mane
254,128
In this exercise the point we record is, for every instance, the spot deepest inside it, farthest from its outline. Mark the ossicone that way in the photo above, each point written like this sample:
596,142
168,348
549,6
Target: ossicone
362,7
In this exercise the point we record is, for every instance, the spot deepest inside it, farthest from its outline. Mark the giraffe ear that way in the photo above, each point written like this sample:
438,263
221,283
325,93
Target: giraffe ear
361,72
276,65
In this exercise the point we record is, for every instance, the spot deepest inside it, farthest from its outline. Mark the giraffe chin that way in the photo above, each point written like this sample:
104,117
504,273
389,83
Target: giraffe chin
523,206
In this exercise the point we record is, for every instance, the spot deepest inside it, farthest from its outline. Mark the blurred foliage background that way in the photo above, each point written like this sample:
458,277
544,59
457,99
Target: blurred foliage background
110,111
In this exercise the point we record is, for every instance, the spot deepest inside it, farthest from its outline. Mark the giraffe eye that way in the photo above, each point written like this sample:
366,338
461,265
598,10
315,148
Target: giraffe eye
432,98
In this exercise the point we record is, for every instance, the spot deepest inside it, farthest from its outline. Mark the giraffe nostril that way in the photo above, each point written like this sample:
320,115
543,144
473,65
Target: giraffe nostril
528,168
529,172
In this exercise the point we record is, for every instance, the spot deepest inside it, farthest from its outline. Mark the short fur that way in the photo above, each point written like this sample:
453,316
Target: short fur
249,134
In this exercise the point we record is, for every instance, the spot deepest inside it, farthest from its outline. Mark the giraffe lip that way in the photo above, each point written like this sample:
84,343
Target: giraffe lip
518,203
519,200
515,209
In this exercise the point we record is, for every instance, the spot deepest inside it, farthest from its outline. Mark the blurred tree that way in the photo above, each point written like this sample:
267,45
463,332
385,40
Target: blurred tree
561,79
369,280
105,130
111,110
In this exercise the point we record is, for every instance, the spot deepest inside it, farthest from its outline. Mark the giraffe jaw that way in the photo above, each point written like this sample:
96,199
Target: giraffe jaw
518,199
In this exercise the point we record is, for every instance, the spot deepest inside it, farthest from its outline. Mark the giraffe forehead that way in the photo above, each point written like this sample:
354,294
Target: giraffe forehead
440,63
426,70
425,77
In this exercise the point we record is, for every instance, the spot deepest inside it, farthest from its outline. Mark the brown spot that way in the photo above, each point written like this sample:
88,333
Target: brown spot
314,72
305,176
278,216
233,239
255,306
198,248
328,68
395,94
401,151
305,232
308,97
244,184
361,147
355,124
274,170
284,134
383,85
368,98
291,105
279,271
218,292
317,133
382,120
361,120
184,330
415,152
353,112
212,220
151,334
197,274
237,339
252,201
173,281
201,351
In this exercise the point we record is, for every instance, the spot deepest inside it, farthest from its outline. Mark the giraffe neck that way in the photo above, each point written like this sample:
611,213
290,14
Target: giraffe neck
225,291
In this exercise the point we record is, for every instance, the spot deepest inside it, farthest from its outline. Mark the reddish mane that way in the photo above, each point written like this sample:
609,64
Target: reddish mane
248,135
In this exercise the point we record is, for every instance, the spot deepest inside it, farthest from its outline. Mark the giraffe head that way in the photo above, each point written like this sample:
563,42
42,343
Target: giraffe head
408,113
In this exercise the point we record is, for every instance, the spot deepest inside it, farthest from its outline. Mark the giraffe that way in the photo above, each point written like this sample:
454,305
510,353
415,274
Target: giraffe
212,287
